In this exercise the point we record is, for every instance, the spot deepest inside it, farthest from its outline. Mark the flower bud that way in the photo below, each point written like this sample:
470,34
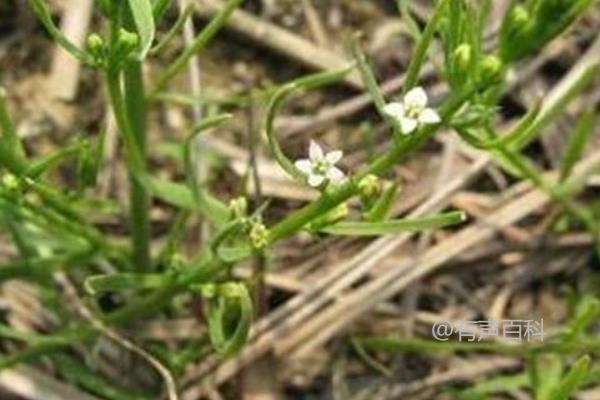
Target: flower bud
519,18
207,290
338,213
463,55
10,182
516,34
369,186
238,207
95,48
490,69
127,43
259,235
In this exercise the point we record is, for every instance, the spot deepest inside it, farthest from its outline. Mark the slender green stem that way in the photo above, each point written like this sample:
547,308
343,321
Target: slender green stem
138,197
133,137
139,201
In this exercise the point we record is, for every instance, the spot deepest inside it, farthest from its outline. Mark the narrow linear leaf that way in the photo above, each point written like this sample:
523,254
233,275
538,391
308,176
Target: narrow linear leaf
203,201
576,144
572,380
175,29
124,281
395,226
545,371
383,204
586,312
198,43
500,384
143,17
80,374
368,78
160,8
234,254
41,166
420,52
43,13
9,134
175,194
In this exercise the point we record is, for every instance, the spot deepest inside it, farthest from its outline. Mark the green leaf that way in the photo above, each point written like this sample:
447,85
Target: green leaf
572,380
391,227
586,313
175,29
368,77
420,52
212,208
41,166
141,10
412,28
383,204
501,384
43,13
160,8
180,196
77,372
175,194
124,281
9,134
576,144
199,42
545,371
234,254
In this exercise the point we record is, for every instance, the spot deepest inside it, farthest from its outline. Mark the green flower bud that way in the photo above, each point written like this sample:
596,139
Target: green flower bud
463,55
10,182
519,18
238,207
206,290
369,186
176,262
95,48
127,44
231,290
259,235
490,69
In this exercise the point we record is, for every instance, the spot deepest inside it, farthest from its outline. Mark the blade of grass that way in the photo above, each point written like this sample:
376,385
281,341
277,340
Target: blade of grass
391,227
576,144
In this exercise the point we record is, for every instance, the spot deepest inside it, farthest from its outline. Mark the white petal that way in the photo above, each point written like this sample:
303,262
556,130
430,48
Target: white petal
334,156
315,180
304,165
335,175
416,97
429,116
408,125
315,152
395,110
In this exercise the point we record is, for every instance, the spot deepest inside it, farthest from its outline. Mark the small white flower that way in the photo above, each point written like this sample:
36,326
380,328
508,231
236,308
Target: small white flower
412,111
320,166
